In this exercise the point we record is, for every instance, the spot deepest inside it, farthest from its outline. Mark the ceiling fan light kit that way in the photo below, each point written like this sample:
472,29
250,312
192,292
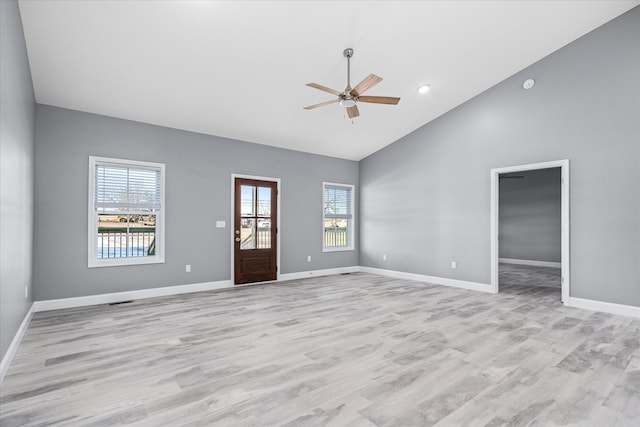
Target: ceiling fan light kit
348,103
349,98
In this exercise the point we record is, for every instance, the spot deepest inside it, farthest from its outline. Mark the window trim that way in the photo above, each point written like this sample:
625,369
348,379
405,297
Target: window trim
351,230
92,216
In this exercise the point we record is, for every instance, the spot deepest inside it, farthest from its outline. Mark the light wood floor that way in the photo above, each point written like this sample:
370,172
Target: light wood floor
357,350
527,275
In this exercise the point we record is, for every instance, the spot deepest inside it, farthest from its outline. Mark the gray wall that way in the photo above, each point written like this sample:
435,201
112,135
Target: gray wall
198,192
17,105
530,214
425,200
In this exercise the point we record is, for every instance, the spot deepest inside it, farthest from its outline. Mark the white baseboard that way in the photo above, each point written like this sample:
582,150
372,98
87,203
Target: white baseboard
318,273
57,304
15,342
607,307
530,262
474,286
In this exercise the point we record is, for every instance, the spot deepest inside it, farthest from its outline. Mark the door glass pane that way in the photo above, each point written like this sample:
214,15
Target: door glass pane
248,234
247,200
264,201
264,233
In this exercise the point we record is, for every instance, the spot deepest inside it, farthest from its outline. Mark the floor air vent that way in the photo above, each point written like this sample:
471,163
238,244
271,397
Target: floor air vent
120,302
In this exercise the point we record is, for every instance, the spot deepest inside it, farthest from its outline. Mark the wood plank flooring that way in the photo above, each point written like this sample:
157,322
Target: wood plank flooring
527,275
357,350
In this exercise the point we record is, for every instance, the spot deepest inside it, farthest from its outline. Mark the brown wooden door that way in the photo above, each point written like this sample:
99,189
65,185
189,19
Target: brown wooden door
255,230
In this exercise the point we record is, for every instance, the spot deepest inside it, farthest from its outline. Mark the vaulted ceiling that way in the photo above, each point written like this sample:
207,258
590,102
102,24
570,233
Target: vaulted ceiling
238,69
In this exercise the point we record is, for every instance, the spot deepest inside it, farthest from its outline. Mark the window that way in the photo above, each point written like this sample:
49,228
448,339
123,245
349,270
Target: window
337,218
126,212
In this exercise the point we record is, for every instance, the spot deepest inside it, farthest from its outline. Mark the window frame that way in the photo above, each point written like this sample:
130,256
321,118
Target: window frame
92,215
351,225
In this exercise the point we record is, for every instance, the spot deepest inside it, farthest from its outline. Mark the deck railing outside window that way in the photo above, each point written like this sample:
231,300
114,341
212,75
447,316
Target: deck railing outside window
334,237
117,243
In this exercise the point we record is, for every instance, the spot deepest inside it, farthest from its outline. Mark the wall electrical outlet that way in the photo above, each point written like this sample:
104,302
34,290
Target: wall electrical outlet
384,257
187,268
454,264
26,292
309,258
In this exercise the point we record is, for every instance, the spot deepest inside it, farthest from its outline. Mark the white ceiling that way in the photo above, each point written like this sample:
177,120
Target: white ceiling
238,69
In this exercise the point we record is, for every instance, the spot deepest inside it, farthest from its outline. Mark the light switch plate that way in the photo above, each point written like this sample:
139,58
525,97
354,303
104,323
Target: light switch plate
220,224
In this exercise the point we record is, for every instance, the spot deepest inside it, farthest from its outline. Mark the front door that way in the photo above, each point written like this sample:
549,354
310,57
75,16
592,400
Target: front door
255,228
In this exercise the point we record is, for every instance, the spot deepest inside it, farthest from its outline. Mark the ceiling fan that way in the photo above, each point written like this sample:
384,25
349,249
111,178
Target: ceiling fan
349,98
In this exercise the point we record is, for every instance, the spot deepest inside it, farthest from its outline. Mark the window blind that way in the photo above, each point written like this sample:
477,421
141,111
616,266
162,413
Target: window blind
337,202
126,188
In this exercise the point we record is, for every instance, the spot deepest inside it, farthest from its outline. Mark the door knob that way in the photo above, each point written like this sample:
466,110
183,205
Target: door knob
237,239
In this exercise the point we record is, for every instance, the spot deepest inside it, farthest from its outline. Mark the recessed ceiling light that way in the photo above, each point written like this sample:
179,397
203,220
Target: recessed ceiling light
528,84
423,89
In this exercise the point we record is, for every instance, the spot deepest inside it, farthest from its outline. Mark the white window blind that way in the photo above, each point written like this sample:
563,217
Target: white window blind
126,189
337,202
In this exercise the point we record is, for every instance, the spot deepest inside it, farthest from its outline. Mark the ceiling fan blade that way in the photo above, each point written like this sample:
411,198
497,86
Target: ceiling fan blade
367,83
353,111
322,104
324,88
379,99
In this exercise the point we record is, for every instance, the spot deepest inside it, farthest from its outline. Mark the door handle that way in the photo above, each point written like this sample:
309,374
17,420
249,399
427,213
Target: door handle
237,239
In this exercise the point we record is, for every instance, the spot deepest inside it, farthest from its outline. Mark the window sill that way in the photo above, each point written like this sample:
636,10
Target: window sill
121,262
339,249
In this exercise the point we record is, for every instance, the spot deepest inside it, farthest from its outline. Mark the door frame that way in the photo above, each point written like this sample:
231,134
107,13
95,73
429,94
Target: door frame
232,228
565,279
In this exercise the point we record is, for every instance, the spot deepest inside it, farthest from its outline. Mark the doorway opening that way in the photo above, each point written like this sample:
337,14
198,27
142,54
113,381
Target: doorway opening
530,248
255,238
